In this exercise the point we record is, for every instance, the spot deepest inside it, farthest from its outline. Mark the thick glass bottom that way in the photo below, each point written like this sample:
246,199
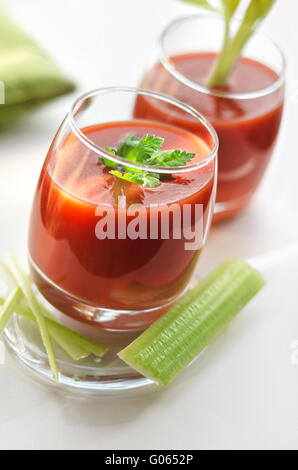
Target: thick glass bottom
108,375
105,318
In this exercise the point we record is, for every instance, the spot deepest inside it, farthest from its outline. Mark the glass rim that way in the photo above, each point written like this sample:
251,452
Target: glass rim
166,62
76,106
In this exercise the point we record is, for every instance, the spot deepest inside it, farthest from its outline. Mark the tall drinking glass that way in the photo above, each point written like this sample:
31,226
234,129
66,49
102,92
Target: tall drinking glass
246,114
111,252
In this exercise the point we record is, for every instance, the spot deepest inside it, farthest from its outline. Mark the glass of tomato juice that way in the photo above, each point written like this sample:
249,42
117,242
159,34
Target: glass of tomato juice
113,274
246,114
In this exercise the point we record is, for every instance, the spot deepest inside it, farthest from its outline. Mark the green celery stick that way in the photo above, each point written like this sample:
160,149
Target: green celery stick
65,339
62,337
232,47
81,341
24,283
74,344
173,341
255,13
9,306
8,277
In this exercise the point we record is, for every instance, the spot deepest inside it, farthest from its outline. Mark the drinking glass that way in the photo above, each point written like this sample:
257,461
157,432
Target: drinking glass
246,114
126,277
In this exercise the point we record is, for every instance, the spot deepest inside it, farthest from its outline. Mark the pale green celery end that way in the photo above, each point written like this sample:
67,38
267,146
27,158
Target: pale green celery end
81,347
231,51
86,343
163,351
8,307
91,346
21,309
75,345
46,313
24,284
78,344
61,336
227,60
215,78
11,277
80,340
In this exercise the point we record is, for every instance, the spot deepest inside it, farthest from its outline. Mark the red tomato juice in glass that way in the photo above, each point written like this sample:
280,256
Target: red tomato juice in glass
247,128
71,265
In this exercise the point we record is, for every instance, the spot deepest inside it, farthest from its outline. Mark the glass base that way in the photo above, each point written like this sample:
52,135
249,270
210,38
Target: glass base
106,318
91,376
107,376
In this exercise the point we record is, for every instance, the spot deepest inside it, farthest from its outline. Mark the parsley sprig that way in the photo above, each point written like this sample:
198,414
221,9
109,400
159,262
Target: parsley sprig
146,150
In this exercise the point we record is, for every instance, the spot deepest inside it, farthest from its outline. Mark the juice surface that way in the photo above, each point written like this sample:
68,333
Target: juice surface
247,128
113,273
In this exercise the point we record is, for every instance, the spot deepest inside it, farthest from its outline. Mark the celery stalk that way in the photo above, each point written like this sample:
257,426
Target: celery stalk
256,11
215,78
86,345
81,341
71,336
25,285
65,340
9,306
61,336
74,344
173,341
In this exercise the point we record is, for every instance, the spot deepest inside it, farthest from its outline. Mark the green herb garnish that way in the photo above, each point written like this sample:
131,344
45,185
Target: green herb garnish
256,11
135,149
146,150
108,162
142,178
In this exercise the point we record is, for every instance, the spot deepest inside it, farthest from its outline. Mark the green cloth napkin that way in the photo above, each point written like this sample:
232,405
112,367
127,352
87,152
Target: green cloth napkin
29,76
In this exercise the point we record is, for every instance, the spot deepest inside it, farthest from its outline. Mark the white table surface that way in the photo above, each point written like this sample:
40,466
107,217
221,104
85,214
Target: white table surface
243,393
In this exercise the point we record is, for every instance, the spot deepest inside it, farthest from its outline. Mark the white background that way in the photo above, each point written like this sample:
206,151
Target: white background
243,393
